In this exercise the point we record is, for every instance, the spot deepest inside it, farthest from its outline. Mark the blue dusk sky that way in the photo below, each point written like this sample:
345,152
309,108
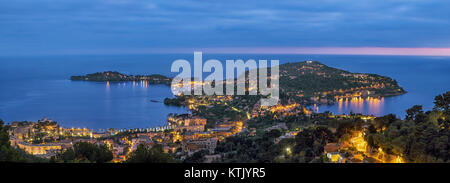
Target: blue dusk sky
29,27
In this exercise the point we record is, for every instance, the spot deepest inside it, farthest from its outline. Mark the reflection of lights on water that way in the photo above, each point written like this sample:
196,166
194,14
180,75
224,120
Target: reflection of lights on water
142,84
340,101
107,86
369,105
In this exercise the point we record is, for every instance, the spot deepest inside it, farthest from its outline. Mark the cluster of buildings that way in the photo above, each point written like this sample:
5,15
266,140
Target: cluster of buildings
190,131
279,110
44,138
184,135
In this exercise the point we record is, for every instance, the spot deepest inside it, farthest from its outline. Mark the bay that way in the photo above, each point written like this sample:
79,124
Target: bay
34,87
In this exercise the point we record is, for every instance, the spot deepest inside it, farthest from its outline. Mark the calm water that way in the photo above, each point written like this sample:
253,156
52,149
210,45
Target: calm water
36,87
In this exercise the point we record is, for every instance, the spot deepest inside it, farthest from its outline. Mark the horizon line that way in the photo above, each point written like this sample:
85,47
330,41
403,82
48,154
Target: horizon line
393,51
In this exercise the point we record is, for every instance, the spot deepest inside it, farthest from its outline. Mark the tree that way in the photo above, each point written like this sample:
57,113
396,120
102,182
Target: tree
414,113
197,157
274,133
421,137
310,142
83,151
4,136
69,155
442,102
6,153
144,154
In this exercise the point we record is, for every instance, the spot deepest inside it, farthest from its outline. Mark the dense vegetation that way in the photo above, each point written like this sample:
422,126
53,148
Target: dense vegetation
154,154
420,137
311,77
197,157
264,148
178,101
116,77
242,148
85,152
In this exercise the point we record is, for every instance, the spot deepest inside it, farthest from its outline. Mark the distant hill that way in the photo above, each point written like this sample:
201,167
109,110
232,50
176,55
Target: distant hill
308,82
314,79
116,77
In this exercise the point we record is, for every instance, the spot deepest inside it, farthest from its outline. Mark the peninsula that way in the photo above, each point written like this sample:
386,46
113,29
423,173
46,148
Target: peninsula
311,82
114,76
314,82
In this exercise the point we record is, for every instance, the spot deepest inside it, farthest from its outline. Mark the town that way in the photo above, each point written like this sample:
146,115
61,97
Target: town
186,134
237,128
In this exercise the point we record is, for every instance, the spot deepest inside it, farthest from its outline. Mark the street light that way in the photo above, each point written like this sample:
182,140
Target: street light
288,150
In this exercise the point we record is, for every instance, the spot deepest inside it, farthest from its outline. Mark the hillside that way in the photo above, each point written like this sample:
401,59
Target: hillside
117,77
314,80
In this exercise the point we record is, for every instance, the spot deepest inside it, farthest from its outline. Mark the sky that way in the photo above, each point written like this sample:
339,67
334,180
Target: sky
397,27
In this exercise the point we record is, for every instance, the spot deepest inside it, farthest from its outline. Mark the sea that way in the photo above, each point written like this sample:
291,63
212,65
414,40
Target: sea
36,87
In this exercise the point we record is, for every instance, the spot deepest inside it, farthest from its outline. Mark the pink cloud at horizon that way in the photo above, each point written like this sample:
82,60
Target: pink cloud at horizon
331,51
274,50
